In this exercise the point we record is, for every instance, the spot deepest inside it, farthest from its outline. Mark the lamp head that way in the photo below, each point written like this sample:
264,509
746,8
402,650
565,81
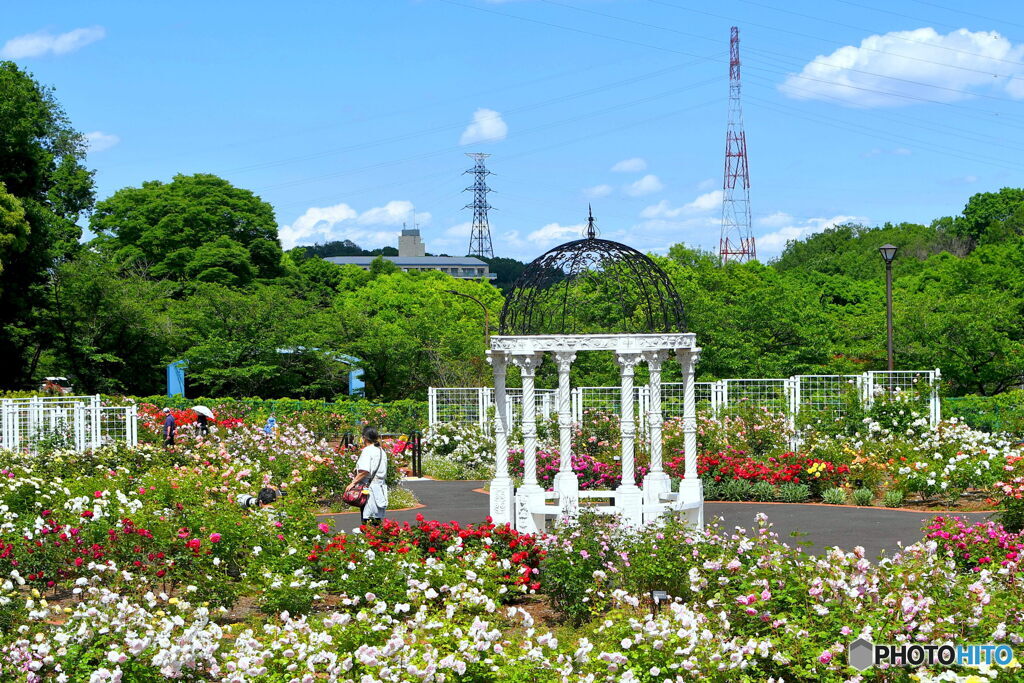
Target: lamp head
888,252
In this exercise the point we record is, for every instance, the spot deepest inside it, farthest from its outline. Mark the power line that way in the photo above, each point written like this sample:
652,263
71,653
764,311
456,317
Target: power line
869,73
884,135
588,114
857,28
824,40
455,126
969,14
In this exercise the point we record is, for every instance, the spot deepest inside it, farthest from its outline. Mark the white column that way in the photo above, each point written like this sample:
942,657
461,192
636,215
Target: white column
566,482
691,489
530,496
657,480
628,496
501,486
627,365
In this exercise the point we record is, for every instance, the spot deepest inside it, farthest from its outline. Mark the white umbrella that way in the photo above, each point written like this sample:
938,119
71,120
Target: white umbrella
203,410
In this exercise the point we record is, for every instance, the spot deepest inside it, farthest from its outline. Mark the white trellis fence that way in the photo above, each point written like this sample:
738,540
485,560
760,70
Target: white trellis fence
800,395
76,422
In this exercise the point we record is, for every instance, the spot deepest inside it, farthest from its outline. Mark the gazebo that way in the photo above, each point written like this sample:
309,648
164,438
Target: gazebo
564,303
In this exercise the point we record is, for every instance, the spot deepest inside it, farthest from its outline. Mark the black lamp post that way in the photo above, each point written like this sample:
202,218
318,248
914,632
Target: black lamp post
487,315
888,253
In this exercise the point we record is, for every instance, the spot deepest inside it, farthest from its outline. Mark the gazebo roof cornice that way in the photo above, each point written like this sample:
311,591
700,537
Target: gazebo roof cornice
623,343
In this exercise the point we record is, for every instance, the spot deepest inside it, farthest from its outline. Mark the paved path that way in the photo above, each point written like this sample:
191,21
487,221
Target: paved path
877,529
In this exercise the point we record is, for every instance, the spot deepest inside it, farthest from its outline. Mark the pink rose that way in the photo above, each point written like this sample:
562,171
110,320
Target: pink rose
214,537
324,529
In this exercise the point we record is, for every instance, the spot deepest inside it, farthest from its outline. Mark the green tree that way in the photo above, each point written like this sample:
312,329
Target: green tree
14,227
183,229
41,166
992,216
409,333
111,326
257,342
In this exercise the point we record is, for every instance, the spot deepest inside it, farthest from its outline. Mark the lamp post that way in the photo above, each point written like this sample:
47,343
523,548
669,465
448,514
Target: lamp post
888,252
487,315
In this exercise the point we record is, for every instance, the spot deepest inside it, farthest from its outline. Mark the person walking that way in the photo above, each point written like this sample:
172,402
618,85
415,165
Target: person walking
170,427
371,472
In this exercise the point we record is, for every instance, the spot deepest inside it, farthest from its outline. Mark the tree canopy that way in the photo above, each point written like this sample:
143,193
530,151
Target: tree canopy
198,227
45,190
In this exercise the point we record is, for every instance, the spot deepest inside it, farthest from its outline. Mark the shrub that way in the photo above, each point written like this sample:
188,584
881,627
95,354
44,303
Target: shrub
763,491
834,496
985,545
893,498
736,489
712,490
1012,489
458,451
794,493
863,497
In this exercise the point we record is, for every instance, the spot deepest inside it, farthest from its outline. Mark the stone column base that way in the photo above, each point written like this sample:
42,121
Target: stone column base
691,502
567,486
502,504
530,515
630,503
655,484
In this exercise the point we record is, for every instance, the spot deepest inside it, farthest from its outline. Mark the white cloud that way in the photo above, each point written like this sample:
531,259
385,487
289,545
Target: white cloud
554,233
899,151
959,60
99,141
634,165
775,220
707,184
341,222
649,184
772,243
597,191
708,201
487,126
393,213
43,43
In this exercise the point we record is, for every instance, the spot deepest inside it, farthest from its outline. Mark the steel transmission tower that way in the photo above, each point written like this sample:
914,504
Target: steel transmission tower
737,240
480,237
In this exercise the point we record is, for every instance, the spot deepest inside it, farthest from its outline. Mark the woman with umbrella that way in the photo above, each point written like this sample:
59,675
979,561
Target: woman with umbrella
203,416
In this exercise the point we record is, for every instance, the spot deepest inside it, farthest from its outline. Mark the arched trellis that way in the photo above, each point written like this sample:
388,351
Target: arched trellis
550,311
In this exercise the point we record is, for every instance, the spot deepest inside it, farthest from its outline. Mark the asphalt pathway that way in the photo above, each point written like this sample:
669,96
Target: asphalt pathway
818,527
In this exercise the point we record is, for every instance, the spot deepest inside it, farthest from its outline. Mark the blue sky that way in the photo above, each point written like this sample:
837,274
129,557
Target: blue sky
347,116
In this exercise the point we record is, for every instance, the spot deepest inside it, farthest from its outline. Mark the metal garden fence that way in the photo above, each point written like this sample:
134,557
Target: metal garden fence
73,422
801,397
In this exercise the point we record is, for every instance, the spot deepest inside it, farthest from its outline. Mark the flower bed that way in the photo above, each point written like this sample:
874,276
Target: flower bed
742,606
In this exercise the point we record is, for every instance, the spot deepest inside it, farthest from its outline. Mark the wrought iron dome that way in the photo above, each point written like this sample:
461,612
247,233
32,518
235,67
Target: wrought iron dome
592,286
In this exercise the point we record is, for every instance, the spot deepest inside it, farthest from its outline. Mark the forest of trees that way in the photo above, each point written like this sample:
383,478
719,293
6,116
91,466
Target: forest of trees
192,269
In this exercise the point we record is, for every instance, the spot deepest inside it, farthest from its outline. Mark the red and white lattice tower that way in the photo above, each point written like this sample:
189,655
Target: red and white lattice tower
737,240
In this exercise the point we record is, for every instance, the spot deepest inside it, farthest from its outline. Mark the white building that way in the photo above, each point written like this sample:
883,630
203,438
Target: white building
412,256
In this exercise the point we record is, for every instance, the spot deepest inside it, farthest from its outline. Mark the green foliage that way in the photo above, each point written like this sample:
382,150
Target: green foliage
46,190
1001,413
834,496
197,227
14,228
794,493
763,491
410,333
893,499
992,215
863,496
737,489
